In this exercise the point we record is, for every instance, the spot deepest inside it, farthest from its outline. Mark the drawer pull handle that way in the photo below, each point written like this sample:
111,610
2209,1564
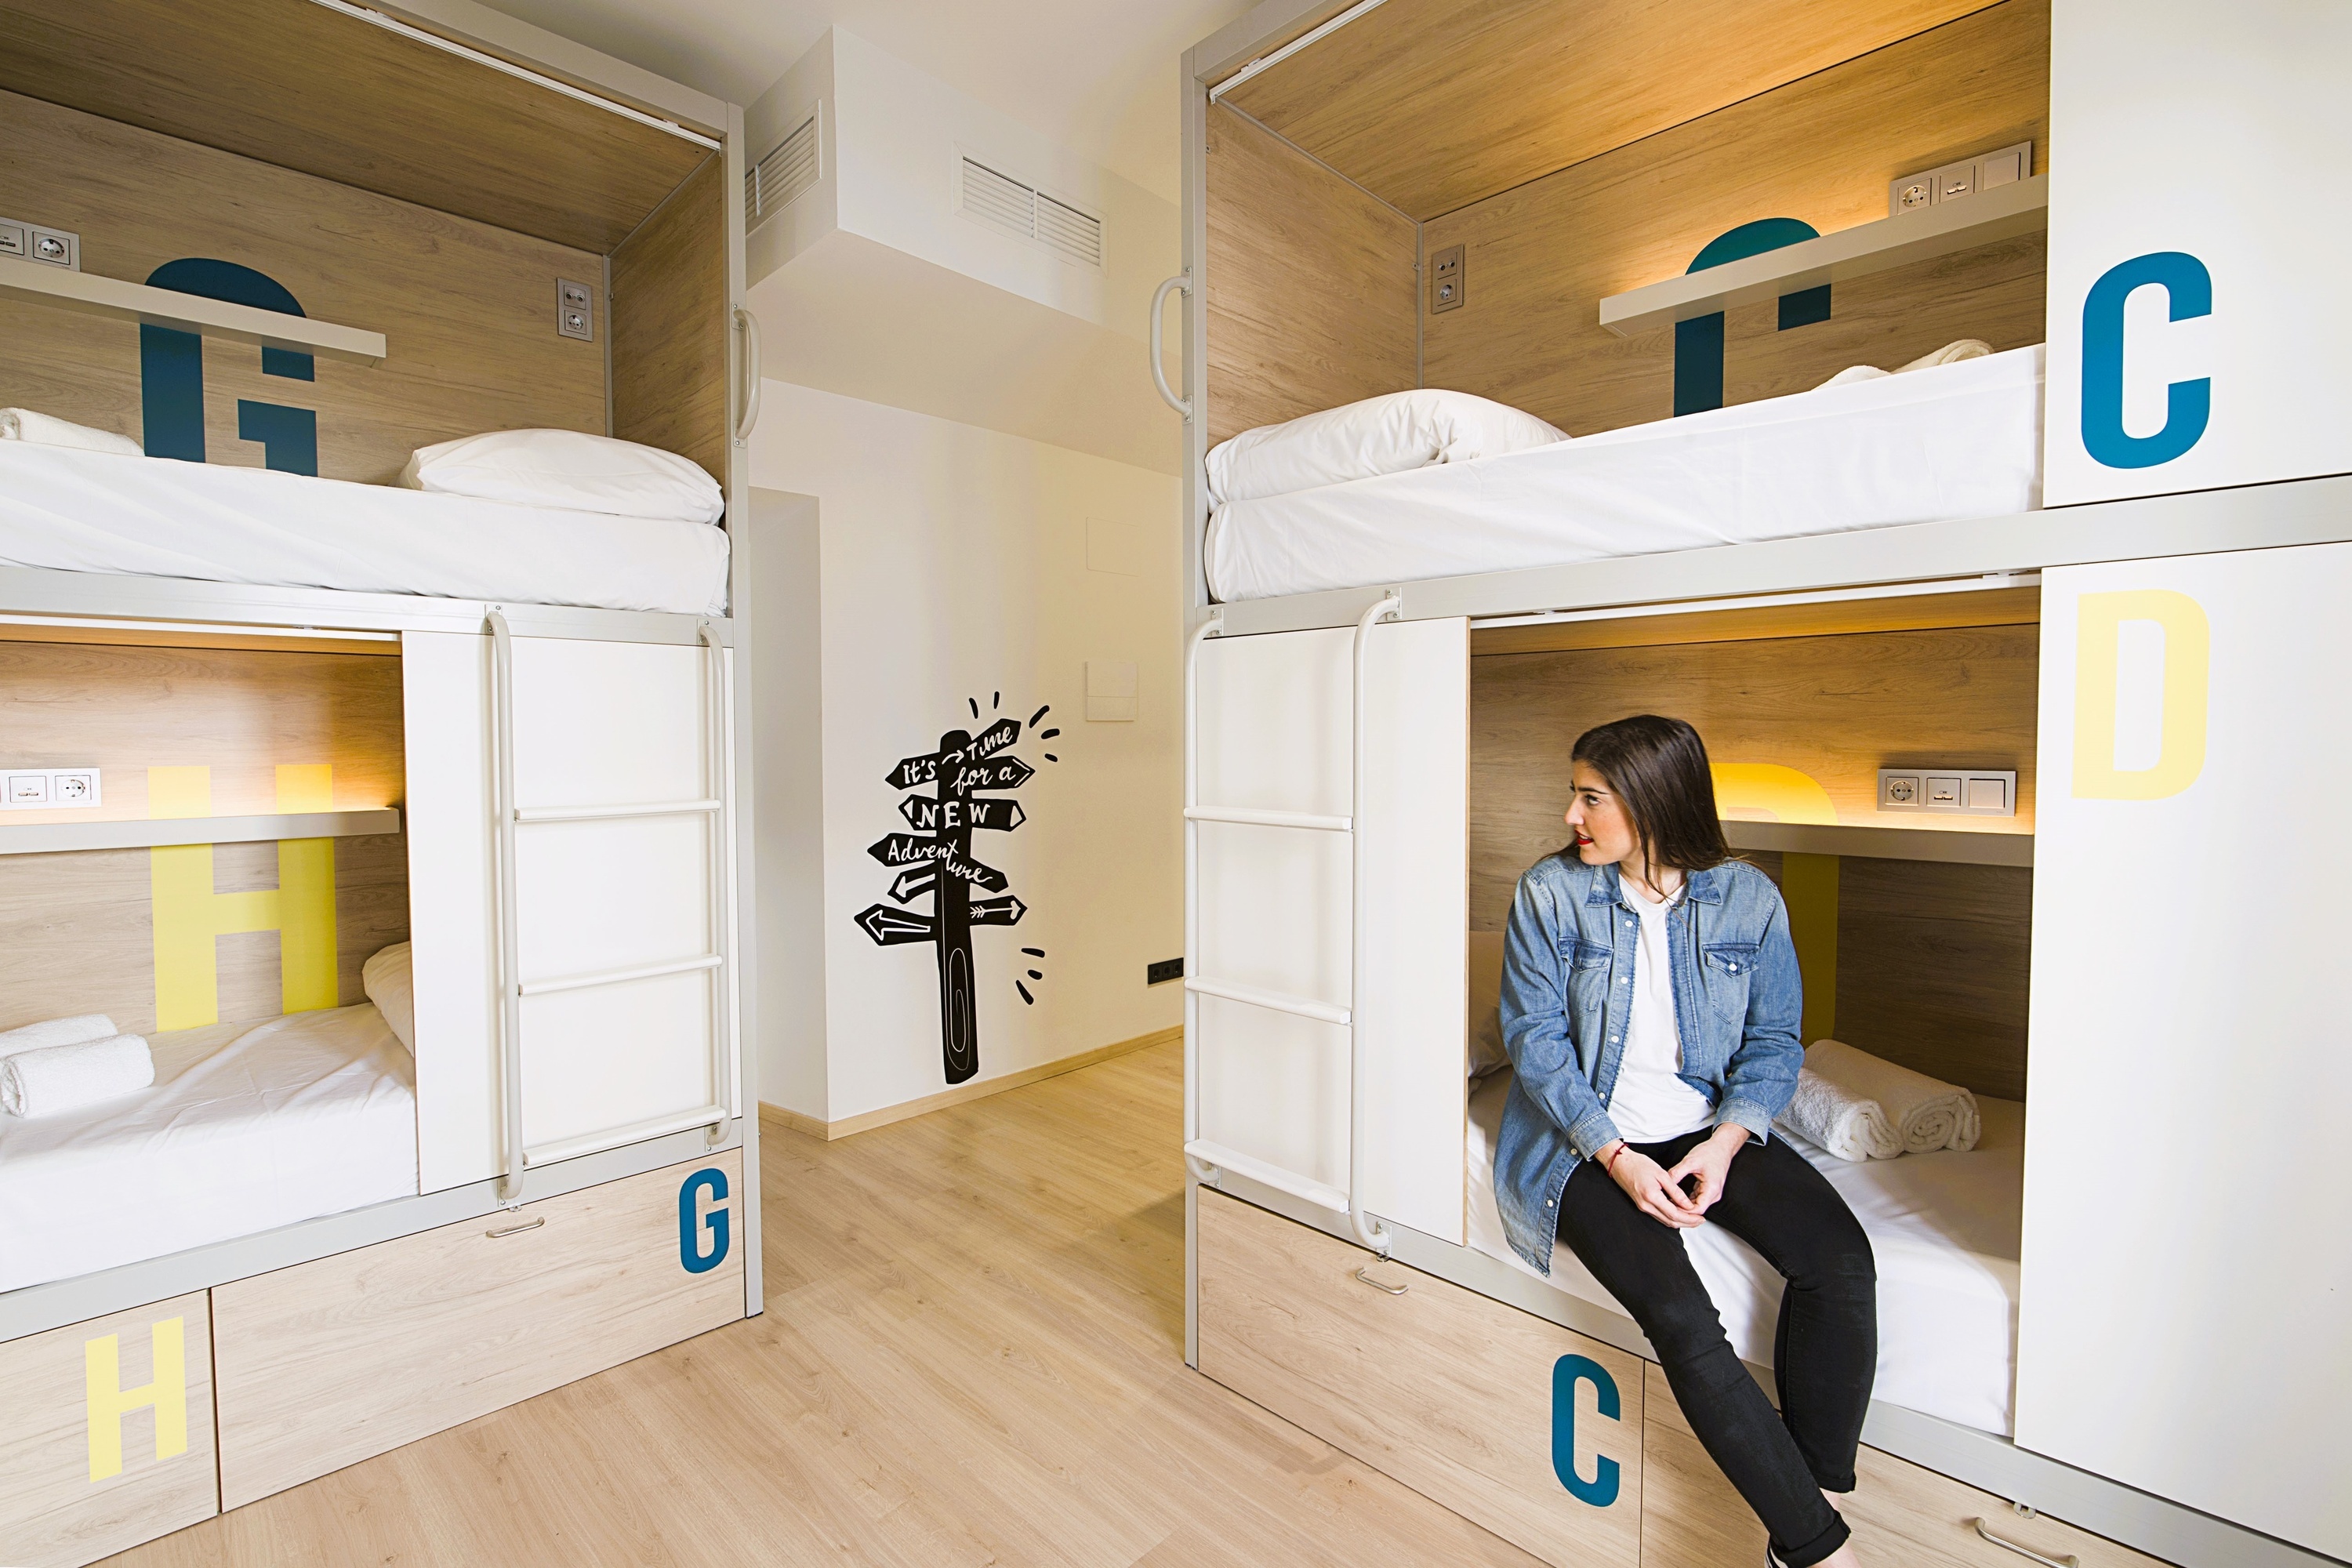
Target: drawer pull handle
2069,1560
1363,1275
517,1229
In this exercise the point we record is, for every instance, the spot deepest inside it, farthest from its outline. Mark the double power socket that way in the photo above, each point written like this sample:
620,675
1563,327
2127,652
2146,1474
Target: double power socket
48,789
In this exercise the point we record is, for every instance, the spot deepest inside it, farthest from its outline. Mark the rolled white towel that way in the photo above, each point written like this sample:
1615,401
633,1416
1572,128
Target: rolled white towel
44,430
1849,1125
1927,1113
54,1080
56,1032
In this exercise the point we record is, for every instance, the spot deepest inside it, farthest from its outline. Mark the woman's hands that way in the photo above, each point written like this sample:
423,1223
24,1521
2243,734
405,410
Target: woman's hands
1658,1192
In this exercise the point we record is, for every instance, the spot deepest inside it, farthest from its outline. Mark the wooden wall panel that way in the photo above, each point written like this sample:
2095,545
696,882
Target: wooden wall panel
294,84
670,324
1933,965
468,310
1311,290
1823,149
1437,103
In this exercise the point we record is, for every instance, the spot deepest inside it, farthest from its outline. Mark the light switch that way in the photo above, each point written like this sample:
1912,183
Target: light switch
1110,691
1999,169
1964,791
1986,795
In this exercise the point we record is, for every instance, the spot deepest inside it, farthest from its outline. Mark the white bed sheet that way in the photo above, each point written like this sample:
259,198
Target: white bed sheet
1953,441
156,517
1944,1230
305,1115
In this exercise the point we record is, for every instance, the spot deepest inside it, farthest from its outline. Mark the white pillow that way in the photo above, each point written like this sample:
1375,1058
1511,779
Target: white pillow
1486,1053
1385,434
48,430
569,469
390,983
1950,353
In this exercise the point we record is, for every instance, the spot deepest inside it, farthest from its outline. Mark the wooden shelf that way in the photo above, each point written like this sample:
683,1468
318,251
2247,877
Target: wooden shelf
2001,213
60,837
96,296
1950,845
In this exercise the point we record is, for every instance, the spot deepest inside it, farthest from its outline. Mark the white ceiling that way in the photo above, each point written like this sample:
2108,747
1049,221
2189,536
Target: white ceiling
1099,76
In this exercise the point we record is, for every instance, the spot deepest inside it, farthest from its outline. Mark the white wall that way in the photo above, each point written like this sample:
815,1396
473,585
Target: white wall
953,565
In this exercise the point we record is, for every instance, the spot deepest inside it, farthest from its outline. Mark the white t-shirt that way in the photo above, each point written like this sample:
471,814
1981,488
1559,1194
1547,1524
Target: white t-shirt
1650,1104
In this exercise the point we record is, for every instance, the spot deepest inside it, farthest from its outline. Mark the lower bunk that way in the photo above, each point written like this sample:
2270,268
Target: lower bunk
123,1427
1567,1446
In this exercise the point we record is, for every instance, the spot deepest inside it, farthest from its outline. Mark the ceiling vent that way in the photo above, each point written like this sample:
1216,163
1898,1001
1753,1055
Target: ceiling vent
1015,207
779,179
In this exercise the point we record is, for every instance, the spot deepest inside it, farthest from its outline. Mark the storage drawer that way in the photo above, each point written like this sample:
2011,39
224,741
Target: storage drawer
1691,1519
1450,1393
325,1363
106,1434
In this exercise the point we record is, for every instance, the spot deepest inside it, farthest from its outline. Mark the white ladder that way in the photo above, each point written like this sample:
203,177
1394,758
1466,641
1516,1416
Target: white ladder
1204,1159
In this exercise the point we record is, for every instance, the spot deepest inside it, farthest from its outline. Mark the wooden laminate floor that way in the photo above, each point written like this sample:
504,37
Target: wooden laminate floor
972,1353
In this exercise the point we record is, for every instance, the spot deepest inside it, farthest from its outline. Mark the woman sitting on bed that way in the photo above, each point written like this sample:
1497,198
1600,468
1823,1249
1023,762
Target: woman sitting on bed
1650,1005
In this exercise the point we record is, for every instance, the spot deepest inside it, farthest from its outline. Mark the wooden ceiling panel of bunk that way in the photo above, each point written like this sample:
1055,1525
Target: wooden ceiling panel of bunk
1833,618
295,84
467,308
1435,104
1821,150
1312,296
669,325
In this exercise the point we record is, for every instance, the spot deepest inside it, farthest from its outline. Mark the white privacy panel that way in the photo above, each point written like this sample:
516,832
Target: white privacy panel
2197,319
594,896
616,1056
607,723
445,698
1277,911
2186,1324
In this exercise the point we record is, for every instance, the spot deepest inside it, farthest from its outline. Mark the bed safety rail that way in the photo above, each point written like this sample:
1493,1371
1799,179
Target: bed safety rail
1205,1159
719,963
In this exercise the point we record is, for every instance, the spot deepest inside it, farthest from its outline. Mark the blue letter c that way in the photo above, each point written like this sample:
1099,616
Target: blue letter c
692,1226
1566,1374
2188,404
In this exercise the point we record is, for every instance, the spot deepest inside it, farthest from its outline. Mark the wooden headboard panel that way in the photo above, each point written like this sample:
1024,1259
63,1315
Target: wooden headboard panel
1821,149
468,310
1311,292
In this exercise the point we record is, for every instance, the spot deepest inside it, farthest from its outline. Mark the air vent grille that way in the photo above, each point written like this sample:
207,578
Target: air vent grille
780,178
1017,208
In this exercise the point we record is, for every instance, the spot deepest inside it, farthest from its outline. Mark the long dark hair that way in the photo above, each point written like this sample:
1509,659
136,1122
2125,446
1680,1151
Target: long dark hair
1658,768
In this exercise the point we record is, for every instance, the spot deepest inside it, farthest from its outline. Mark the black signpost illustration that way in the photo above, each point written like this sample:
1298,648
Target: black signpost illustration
967,773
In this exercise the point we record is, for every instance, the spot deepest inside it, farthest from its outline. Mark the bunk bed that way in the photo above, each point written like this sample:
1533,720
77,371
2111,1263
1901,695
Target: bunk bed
326,704
1385,671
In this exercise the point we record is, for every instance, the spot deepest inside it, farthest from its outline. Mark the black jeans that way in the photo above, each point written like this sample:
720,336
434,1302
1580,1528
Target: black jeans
1823,1357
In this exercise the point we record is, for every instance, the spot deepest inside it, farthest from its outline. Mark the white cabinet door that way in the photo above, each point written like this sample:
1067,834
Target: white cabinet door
618,916
1276,909
2186,1324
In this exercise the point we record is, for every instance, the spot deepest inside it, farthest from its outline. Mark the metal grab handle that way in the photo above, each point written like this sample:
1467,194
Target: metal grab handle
1213,626
517,1229
750,415
1183,280
1367,1229
510,960
2069,1560
1365,1275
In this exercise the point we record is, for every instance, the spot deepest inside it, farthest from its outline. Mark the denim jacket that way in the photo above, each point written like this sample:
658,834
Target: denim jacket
1568,970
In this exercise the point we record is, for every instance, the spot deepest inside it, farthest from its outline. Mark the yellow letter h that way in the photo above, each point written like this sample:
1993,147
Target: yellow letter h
188,914
110,1402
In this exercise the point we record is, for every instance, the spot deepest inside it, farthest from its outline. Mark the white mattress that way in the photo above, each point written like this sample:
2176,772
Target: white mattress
1955,441
156,517
310,1114
1943,1227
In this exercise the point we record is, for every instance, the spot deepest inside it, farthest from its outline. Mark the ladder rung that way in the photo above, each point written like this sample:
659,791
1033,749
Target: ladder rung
1268,818
1322,1012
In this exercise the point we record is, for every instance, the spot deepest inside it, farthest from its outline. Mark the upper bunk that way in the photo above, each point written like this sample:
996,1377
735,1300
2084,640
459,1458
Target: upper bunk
1671,235
307,241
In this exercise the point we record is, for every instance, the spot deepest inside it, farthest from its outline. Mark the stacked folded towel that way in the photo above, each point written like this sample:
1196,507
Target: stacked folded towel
44,430
62,1065
1924,1113
1851,1126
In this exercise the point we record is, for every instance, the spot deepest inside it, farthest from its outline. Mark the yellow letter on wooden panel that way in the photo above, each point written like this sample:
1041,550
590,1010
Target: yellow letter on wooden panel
188,914
108,1402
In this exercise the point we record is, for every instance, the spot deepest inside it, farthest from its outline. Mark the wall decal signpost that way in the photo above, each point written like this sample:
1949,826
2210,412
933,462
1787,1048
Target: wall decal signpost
967,775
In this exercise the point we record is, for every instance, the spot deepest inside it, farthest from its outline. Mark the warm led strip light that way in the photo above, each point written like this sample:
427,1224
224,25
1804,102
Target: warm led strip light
1268,62
394,24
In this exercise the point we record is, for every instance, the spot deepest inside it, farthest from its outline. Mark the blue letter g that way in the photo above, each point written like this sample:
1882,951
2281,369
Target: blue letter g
2188,404
692,1227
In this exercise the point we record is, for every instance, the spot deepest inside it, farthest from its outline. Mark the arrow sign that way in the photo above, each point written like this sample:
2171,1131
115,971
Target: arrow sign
914,883
890,927
949,816
986,876
913,770
1004,911
907,849
992,740
999,772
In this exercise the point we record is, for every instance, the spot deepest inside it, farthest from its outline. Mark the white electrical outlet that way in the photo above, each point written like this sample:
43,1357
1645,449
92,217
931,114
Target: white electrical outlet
35,242
50,789
1963,792
575,310
1932,188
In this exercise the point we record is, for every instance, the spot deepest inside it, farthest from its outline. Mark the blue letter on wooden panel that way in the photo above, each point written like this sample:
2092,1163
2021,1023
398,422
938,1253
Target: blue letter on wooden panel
1566,1374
